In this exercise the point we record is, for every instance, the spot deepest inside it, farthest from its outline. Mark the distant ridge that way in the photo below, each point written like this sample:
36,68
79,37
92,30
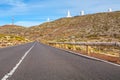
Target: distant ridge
11,35
12,26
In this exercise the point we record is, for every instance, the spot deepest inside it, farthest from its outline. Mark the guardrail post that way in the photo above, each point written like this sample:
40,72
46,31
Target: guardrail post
87,50
59,45
65,45
74,47
56,45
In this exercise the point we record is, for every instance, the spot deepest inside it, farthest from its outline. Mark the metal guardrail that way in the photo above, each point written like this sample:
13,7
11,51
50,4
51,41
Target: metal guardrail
87,44
90,43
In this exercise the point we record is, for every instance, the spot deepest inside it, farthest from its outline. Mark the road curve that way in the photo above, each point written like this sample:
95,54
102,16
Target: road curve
47,63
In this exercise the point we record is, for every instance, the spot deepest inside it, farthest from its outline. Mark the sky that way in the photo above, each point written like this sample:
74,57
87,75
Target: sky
34,12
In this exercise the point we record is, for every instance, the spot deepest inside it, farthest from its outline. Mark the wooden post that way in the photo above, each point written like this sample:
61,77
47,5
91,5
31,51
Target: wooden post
74,47
58,45
65,46
87,50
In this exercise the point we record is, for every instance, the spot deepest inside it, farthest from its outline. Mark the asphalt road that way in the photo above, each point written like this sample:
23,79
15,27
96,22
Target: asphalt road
10,56
47,63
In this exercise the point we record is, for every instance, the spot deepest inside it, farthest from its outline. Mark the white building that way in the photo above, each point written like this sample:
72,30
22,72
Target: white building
69,14
82,13
48,20
109,10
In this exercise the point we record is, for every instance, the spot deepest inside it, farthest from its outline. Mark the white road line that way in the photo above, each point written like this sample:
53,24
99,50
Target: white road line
17,65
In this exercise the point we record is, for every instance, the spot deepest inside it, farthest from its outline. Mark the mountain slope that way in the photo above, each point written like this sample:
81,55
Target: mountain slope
94,27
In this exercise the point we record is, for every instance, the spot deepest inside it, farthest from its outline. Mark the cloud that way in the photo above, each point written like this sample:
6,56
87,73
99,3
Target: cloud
20,7
16,3
13,7
13,2
28,23
29,12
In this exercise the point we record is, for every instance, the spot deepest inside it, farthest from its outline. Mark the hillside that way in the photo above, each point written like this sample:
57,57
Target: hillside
93,27
12,29
11,35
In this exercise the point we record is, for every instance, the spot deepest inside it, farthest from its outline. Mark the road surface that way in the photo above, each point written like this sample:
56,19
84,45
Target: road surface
42,62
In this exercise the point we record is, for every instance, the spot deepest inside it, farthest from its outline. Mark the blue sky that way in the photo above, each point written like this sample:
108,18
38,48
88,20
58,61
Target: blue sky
35,12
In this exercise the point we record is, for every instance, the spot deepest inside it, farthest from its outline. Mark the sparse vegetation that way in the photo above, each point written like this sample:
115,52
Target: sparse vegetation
11,40
93,27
